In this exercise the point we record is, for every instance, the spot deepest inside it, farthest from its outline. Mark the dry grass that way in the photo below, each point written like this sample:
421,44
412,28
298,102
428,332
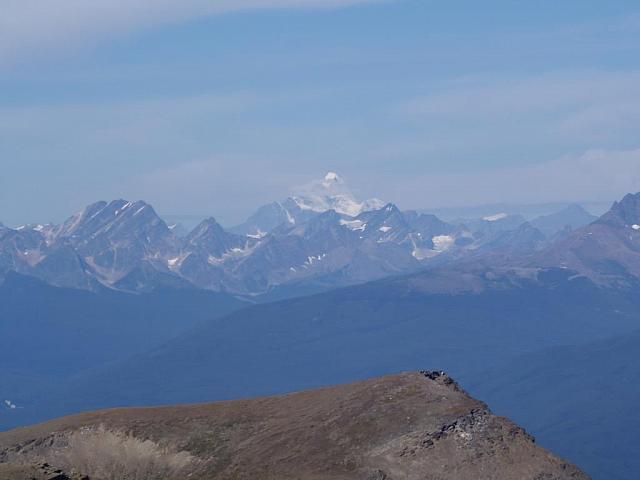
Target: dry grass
113,455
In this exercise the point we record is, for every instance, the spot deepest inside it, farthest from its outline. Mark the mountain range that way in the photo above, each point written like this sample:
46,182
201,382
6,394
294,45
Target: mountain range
490,298
318,239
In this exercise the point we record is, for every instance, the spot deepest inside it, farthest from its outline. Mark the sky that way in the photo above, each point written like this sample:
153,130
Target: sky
214,107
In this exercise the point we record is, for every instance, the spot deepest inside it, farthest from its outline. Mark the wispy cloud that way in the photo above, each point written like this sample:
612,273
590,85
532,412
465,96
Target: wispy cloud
210,154
491,97
563,110
595,175
37,26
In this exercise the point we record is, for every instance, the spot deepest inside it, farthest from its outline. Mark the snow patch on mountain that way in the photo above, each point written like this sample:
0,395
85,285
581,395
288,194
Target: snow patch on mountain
257,235
496,217
290,218
314,258
175,263
422,253
354,225
232,254
442,243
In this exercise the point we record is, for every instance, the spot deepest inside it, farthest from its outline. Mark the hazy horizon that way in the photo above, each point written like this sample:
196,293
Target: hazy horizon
445,212
209,108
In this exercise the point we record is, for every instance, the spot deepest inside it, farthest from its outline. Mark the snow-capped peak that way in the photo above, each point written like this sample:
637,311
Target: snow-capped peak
332,178
331,193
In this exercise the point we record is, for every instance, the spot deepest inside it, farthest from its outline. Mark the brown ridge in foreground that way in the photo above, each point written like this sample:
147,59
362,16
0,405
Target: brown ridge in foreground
407,426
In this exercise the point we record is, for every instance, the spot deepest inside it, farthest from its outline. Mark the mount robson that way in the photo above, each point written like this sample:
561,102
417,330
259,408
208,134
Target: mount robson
537,316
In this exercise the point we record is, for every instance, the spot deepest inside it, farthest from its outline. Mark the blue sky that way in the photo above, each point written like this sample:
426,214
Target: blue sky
217,106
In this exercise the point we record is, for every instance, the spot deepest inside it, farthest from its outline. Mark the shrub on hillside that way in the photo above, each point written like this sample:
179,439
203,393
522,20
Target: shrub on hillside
104,454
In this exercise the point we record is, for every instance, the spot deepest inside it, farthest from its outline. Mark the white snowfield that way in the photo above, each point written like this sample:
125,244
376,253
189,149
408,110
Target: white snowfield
354,225
442,243
496,217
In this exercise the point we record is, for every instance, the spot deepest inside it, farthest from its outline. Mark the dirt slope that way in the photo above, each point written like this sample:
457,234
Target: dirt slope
407,426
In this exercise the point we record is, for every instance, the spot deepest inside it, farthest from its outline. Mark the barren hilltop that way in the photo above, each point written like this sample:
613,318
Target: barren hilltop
407,426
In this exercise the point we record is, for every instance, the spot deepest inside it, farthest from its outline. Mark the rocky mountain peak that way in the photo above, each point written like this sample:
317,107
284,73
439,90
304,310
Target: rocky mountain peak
208,226
624,213
331,193
391,208
102,217
574,208
211,239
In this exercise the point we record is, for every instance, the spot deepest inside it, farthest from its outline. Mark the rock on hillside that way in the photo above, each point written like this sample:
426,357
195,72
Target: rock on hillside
408,426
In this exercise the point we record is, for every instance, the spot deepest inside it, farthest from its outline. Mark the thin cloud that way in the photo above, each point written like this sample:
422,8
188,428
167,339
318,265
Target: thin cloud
595,175
229,187
537,114
495,97
38,26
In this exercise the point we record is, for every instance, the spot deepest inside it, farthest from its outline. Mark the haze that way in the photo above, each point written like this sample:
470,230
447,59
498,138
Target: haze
207,108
